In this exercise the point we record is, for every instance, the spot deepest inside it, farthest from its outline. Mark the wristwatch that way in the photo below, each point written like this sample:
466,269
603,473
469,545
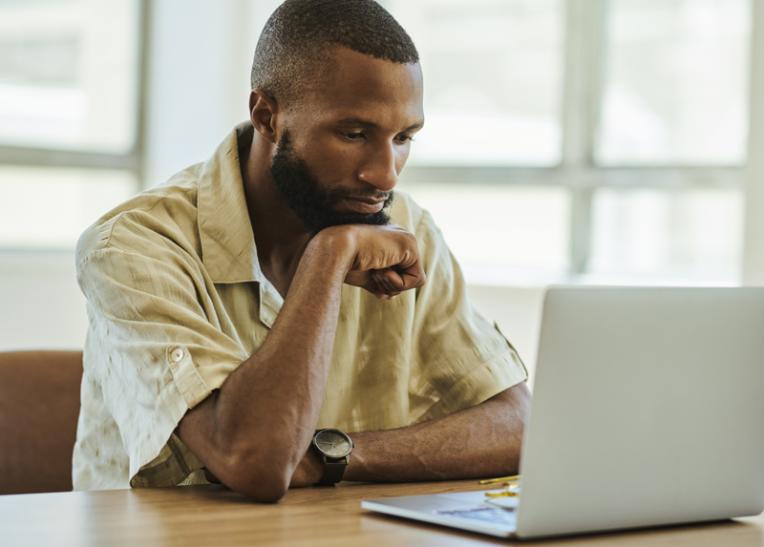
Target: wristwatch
333,447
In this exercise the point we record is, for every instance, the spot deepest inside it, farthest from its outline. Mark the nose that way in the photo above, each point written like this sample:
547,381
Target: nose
381,169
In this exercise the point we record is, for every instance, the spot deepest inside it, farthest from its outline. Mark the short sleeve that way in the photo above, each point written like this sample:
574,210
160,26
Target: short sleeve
156,349
463,359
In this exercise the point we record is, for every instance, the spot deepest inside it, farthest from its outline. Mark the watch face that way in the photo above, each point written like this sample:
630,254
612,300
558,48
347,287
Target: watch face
333,443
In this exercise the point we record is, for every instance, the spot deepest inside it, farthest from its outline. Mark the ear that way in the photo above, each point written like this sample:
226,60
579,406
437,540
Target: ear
262,113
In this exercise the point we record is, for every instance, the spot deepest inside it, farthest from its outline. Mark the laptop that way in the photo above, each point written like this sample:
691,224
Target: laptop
648,410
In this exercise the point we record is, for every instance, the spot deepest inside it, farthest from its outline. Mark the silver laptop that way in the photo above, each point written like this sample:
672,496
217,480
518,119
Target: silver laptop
648,409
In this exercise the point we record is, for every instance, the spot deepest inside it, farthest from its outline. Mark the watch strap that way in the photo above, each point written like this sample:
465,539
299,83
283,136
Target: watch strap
334,469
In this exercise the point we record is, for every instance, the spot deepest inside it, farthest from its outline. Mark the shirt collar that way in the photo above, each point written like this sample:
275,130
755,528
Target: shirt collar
228,245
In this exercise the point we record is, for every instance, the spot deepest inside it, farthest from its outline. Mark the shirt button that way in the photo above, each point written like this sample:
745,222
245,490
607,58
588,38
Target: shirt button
176,355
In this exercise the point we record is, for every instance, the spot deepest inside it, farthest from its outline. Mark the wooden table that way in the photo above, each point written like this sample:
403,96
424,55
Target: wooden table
315,516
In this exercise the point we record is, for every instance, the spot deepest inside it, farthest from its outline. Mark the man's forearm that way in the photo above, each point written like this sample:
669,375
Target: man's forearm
481,441
262,417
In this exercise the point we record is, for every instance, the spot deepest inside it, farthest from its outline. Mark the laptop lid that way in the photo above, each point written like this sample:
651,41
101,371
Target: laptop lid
648,409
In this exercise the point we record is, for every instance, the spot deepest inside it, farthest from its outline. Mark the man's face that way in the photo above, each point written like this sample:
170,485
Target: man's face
340,150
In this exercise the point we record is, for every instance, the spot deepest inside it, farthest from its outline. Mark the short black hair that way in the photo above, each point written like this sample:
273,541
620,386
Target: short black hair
295,39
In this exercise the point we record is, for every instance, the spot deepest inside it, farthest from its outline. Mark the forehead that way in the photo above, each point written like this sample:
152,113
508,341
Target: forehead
353,84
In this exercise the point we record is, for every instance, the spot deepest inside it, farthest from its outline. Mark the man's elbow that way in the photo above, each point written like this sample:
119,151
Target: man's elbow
233,458
265,491
262,483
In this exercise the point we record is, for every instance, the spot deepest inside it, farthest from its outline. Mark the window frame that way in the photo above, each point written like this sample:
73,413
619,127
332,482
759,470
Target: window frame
584,24
131,161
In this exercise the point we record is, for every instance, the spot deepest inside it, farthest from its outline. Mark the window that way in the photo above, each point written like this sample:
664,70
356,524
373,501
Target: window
584,141
675,85
492,85
594,140
69,112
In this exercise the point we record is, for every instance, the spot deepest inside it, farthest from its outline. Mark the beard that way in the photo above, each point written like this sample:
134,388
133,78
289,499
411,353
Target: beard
306,197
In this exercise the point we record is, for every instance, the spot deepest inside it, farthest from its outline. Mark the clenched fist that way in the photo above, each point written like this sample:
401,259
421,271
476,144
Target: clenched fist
384,260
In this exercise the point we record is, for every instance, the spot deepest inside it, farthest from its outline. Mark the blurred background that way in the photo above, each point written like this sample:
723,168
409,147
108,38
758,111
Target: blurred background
567,141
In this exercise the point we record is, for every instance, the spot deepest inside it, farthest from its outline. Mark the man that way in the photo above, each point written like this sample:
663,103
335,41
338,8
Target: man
278,289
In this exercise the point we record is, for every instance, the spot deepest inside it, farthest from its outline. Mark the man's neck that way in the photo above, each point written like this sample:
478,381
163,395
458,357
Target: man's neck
279,235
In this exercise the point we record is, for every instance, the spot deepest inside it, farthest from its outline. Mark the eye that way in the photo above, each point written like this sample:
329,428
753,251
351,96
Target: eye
354,135
403,139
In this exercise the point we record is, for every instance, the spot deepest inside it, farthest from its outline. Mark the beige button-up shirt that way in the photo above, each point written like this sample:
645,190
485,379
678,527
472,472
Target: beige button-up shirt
176,301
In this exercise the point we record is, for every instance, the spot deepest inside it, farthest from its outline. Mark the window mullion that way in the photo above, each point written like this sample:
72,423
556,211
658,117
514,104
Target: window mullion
753,250
138,150
40,157
582,88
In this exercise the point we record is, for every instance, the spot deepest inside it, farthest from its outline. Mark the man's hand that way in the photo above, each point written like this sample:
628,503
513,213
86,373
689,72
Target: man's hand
384,259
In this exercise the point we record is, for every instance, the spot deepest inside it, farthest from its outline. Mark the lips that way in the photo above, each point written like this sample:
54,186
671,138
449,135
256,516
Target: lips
364,205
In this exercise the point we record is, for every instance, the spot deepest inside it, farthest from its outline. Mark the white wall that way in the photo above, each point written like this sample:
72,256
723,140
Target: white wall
42,307
198,78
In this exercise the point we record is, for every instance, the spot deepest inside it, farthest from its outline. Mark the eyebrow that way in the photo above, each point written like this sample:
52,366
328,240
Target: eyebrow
371,125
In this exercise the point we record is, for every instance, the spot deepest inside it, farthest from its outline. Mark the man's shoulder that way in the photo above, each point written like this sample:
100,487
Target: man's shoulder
407,213
166,212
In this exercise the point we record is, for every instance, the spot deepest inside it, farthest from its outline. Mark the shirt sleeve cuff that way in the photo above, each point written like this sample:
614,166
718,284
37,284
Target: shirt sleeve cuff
165,460
495,374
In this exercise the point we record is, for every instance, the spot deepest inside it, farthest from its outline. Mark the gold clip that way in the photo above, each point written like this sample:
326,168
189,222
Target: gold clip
510,479
502,494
